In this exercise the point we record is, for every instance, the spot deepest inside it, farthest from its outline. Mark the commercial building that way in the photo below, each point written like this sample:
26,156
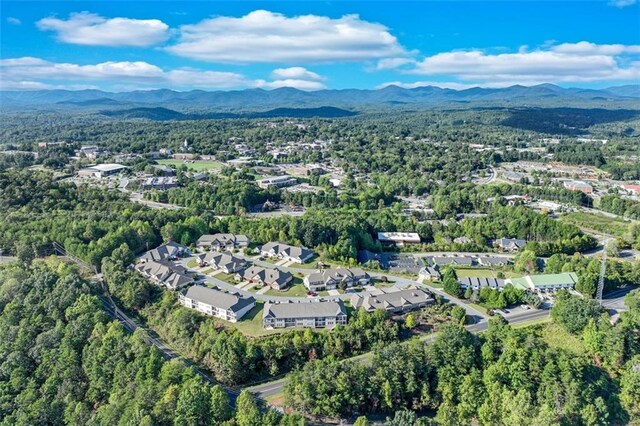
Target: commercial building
101,170
393,299
578,185
277,182
159,183
399,238
220,304
309,314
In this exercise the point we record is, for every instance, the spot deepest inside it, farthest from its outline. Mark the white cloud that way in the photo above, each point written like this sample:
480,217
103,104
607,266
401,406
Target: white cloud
622,3
298,73
587,48
14,21
263,36
30,73
294,83
578,62
93,30
391,63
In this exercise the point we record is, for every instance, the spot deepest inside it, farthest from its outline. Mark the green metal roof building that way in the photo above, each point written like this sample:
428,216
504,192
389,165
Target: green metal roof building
545,282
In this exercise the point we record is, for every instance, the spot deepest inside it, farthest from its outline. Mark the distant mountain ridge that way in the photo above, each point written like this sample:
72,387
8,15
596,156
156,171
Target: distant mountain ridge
260,100
162,114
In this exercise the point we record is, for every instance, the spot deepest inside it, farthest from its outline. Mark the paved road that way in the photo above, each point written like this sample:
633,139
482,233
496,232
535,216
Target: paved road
275,387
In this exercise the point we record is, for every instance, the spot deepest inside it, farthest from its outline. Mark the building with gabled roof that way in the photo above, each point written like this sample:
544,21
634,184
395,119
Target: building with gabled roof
393,299
164,273
220,304
226,262
170,251
478,283
399,238
285,251
510,244
329,279
274,278
222,242
308,314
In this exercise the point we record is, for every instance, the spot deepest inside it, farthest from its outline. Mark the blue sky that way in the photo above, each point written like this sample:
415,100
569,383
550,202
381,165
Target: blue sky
122,45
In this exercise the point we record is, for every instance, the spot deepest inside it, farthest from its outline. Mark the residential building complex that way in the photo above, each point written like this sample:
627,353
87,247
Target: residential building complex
226,262
222,242
170,251
165,273
274,278
285,251
393,299
323,314
220,304
332,278
545,282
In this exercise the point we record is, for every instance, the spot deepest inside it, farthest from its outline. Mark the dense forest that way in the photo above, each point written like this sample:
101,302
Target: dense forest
504,376
62,362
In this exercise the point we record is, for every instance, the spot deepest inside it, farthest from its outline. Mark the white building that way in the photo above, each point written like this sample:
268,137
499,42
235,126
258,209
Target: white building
217,303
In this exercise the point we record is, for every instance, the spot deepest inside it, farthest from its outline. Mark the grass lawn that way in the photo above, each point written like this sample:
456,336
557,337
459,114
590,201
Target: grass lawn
195,165
523,324
597,223
251,323
208,271
297,289
313,264
228,278
192,263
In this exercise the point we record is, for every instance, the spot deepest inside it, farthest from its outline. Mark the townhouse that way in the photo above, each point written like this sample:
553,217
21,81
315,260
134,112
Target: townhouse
274,278
165,273
332,278
220,304
168,251
308,314
226,262
393,299
478,283
222,242
285,251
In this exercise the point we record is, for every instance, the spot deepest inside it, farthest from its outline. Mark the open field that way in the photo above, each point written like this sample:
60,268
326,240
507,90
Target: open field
556,337
195,165
598,223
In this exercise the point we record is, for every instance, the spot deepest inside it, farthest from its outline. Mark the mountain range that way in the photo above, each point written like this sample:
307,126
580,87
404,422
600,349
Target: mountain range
355,99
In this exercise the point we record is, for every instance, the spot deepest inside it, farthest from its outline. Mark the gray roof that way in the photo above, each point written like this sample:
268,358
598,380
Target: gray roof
173,276
220,260
481,282
267,275
217,298
337,274
493,260
304,309
392,298
223,239
511,242
446,260
285,249
164,251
